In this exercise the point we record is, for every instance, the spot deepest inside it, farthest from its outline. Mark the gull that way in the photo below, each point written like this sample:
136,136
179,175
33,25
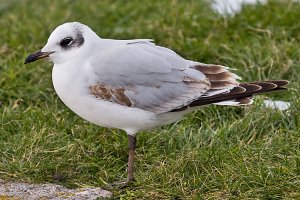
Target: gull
135,85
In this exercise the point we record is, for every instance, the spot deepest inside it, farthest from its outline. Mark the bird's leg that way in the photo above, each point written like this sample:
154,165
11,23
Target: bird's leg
131,154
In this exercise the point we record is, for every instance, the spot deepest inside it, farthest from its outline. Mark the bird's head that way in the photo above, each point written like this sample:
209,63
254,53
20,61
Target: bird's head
66,42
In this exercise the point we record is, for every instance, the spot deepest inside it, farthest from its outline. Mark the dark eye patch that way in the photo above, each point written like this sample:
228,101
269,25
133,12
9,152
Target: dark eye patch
72,42
66,41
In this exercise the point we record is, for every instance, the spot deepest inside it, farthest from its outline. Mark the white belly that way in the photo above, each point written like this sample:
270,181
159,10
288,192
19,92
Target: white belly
73,91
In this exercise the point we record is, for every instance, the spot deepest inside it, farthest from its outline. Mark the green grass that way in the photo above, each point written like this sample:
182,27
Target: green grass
214,153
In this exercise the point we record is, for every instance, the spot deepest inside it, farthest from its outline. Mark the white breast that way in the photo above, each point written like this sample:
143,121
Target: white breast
71,85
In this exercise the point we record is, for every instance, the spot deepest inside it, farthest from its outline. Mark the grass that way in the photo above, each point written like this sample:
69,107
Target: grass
214,153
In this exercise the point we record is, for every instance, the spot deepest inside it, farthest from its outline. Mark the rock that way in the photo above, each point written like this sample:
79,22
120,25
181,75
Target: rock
22,191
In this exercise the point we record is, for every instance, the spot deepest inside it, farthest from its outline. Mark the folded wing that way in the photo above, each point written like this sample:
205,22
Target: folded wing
142,75
146,76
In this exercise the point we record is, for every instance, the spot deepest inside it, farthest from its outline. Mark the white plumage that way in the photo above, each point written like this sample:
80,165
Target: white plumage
135,85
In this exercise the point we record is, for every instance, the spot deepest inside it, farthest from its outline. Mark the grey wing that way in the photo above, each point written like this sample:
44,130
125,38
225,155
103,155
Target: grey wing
146,76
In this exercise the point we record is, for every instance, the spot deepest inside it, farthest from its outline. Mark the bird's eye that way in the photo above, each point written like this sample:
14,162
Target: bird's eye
66,41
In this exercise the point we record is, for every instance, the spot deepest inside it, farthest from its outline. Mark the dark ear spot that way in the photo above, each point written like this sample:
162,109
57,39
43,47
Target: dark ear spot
79,39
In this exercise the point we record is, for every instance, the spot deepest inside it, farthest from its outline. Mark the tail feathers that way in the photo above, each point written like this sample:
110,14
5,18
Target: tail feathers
236,102
240,95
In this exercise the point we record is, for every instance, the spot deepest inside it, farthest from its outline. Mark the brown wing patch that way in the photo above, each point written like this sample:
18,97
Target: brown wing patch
237,90
224,76
218,76
116,95
223,84
210,68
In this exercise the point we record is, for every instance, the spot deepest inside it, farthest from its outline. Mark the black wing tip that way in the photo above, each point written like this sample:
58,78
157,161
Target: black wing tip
280,83
242,93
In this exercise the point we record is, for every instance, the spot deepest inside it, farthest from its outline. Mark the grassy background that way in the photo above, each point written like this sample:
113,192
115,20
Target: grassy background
216,152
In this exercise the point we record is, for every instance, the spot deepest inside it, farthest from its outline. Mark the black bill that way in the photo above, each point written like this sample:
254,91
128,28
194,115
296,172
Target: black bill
36,56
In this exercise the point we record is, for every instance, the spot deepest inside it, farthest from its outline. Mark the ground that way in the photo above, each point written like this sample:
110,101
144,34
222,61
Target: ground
215,153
